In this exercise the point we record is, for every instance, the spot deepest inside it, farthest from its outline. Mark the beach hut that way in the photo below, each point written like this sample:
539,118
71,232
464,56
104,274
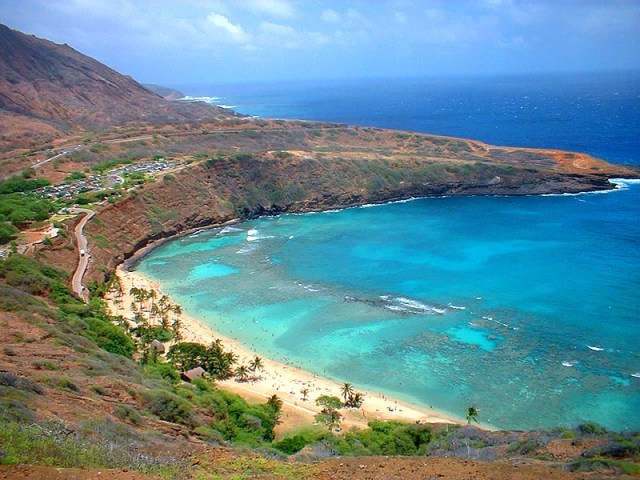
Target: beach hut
157,345
191,375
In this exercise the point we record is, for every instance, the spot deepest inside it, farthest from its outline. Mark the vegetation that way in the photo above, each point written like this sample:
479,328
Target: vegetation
73,176
18,209
472,414
21,184
111,164
214,359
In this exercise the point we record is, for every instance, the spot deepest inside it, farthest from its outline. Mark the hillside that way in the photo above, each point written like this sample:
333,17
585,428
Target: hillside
51,86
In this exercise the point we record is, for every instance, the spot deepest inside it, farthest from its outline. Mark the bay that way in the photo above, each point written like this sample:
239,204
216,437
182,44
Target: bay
526,307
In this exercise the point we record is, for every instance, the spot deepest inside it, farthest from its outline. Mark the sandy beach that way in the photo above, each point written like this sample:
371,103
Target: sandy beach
285,381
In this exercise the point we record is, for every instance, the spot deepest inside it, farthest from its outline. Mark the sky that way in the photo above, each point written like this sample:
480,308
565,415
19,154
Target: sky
244,41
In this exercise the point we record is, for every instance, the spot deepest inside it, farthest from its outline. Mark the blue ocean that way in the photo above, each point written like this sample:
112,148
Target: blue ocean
527,307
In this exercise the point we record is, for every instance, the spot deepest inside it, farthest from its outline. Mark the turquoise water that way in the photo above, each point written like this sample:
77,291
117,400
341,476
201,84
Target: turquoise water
526,307
445,302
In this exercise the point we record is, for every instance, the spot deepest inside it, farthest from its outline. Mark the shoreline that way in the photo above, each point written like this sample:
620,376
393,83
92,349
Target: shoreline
283,380
129,263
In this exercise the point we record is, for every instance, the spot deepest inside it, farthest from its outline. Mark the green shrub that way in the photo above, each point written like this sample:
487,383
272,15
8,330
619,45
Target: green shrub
98,389
592,428
62,383
128,413
209,435
44,365
73,176
7,232
110,337
168,406
21,184
19,383
13,411
162,371
297,442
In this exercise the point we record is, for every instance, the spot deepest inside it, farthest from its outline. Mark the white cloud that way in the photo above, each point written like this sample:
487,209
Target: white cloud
277,29
275,36
234,33
330,16
275,8
400,17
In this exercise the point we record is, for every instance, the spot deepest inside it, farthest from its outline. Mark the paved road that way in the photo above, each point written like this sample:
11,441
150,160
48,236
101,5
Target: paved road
83,253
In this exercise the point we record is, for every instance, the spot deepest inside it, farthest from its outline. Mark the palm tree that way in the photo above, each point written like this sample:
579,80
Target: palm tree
242,372
176,328
472,414
152,295
164,320
305,394
177,310
135,293
275,402
256,364
355,400
154,311
347,391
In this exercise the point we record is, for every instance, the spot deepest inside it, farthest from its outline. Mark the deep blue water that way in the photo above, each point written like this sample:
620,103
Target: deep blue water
598,114
526,307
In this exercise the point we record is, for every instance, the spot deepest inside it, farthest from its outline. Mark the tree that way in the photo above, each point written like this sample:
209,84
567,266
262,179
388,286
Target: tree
472,414
305,394
355,400
242,373
177,311
256,364
187,355
218,362
7,232
329,414
275,403
346,391
176,328
327,402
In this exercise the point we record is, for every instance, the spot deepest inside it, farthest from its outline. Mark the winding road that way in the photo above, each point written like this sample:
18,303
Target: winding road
83,253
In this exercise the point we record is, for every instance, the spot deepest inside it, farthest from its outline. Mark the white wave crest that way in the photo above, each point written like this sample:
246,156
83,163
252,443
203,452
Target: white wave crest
229,229
456,307
624,183
595,349
190,99
416,306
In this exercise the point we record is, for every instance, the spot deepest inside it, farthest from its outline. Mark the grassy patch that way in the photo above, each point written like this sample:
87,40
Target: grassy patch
595,464
62,383
102,241
97,444
248,467
19,383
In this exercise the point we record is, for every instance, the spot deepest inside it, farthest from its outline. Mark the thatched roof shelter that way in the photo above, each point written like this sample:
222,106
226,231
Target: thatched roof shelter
194,373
